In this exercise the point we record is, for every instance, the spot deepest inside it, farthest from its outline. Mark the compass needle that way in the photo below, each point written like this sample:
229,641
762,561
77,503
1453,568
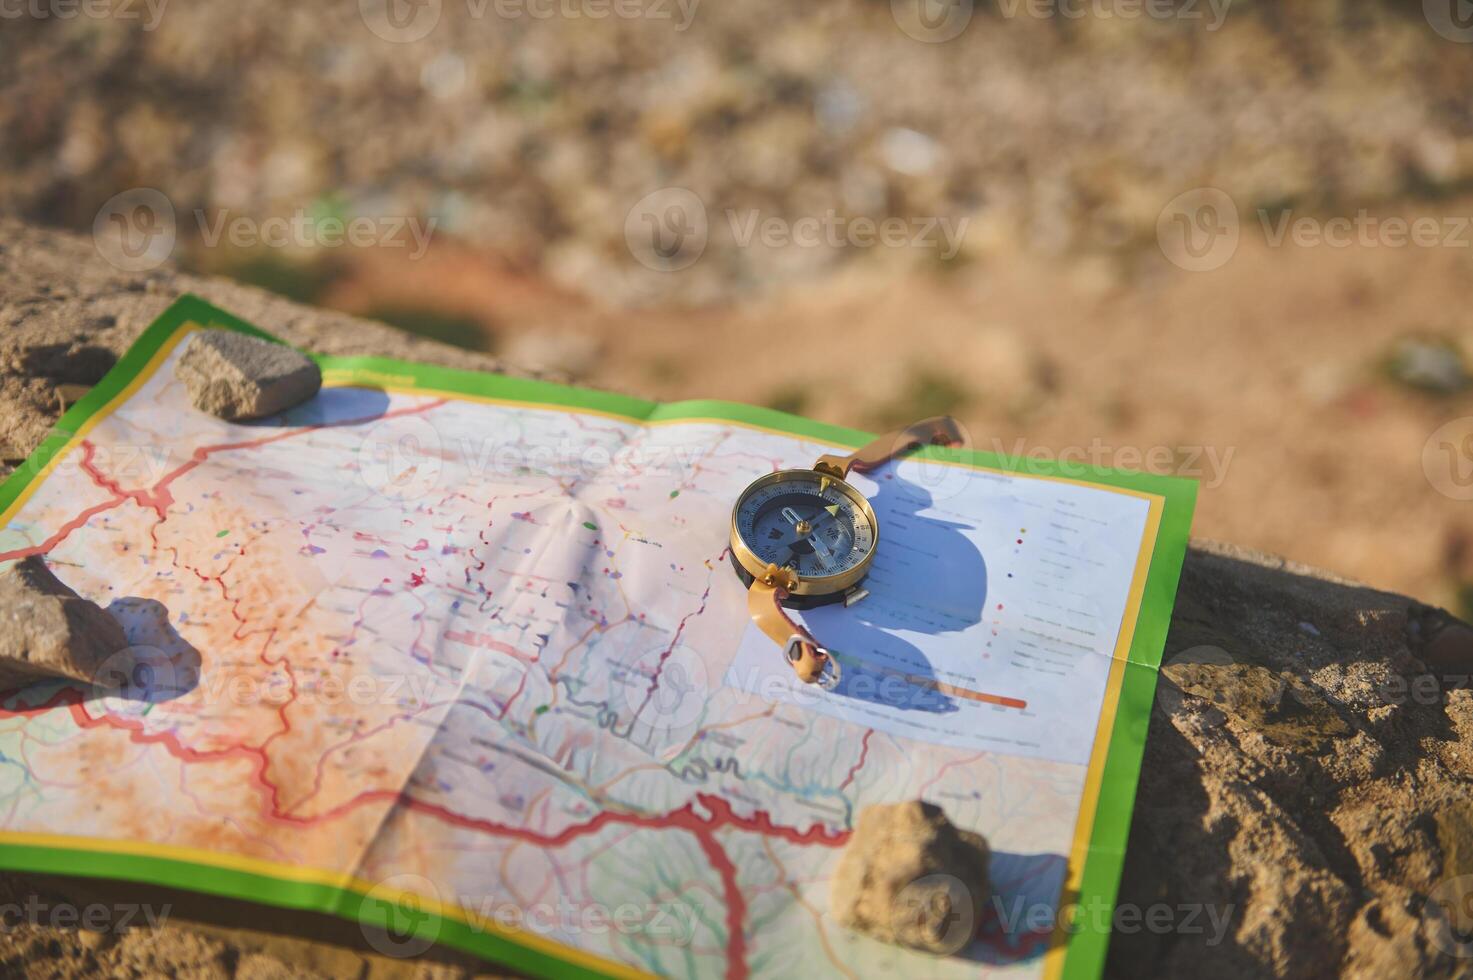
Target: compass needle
818,537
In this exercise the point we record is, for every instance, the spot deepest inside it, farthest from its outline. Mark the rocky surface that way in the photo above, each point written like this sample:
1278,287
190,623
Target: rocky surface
1307,776
66,317
1307,771
909,876
533,140
240,378
47,630
1050,125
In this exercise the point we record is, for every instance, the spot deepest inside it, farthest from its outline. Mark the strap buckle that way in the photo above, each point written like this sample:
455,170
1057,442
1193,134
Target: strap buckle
812,663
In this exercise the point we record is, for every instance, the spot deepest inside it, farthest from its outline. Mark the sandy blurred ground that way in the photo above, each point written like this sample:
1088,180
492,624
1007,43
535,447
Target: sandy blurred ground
686,201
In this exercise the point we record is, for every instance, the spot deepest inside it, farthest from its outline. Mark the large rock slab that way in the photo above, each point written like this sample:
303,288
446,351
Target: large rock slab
66,316
1305,783
239,378
1307,769
48,631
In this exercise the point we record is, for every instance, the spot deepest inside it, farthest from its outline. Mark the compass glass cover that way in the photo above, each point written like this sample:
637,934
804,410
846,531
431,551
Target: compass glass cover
796,522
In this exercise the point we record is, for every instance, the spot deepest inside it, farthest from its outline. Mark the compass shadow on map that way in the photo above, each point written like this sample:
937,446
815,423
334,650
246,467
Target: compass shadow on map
930,578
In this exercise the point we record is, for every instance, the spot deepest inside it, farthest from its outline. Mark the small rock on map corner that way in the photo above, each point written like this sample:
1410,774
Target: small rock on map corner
47,631
909,876
238,378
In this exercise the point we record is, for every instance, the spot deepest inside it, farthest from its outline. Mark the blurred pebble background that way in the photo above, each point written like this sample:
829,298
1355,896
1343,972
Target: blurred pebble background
1030,165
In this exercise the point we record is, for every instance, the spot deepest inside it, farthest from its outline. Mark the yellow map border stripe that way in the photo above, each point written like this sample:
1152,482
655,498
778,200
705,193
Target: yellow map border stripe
97,419
1095,769
339,880
345,378
1095,773
269,869
348,378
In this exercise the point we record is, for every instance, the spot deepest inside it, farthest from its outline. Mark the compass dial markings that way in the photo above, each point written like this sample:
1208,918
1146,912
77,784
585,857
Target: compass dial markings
811,525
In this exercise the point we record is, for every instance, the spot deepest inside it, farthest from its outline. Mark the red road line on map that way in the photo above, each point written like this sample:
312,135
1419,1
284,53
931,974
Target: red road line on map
63,533
140,737
736,907
702,828
863,754
89,466
158,498
947,765
665,655
685,818
171,744
162,497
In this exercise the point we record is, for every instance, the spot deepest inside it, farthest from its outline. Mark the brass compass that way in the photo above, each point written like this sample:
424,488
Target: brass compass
805,537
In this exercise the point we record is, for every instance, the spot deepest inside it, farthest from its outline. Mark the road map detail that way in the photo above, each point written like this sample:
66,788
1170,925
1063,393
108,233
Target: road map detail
493,654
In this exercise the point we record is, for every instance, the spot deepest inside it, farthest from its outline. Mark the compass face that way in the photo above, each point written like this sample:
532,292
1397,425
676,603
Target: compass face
819,527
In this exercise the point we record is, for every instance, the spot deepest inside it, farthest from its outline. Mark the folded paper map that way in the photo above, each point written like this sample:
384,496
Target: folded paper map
462,658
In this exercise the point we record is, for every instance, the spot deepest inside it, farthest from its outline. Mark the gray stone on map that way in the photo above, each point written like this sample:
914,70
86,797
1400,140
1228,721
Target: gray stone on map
237,378
1284,839
47,630
908,876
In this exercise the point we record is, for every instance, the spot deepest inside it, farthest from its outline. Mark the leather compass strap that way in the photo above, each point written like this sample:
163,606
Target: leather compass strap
812,663
765,603
941,430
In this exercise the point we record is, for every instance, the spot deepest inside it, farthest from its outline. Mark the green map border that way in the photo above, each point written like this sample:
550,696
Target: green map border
1087,942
